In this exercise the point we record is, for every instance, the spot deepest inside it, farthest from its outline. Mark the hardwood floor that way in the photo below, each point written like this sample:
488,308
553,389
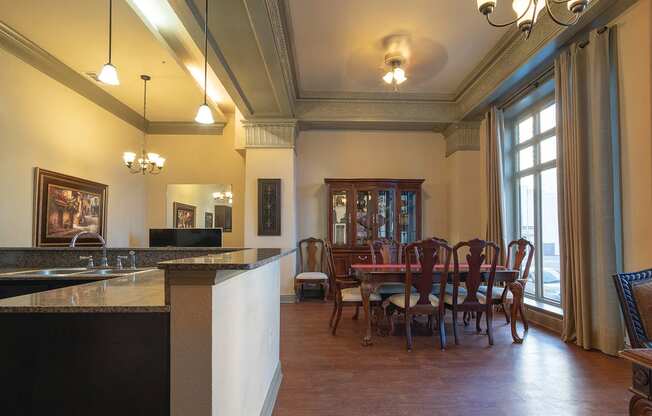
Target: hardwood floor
335,375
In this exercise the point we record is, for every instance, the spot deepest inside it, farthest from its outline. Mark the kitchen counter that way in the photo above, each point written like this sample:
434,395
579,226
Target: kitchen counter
136,292
246,259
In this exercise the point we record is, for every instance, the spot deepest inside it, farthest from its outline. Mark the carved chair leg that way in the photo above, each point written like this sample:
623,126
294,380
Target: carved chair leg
490,332
442,332
457,341
357,313
478,318
330,323
507,310
392,323
326,287
408,331
466,318
297,287
338,317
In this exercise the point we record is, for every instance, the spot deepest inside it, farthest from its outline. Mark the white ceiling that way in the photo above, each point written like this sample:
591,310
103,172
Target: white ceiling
338,44
76,33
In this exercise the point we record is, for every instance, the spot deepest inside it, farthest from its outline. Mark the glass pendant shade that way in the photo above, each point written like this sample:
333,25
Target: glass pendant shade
388,77
399,75
109,75
128,157
204,115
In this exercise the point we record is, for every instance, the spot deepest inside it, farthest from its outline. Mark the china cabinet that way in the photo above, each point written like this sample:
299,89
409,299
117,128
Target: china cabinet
363,210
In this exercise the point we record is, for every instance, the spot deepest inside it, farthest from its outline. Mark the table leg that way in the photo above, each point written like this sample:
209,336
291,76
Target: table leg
365,291
517,292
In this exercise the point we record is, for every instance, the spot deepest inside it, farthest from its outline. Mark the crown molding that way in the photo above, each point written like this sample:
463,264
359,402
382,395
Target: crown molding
32,54
373,125
271,133
184,127
376,96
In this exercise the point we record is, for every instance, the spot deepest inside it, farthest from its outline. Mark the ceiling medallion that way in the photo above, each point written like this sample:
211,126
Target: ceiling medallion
396,74
527,12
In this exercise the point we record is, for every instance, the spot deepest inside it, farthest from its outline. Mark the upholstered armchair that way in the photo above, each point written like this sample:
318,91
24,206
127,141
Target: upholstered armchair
635,294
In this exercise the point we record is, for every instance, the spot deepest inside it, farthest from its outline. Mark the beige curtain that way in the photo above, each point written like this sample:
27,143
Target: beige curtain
494,168
588,193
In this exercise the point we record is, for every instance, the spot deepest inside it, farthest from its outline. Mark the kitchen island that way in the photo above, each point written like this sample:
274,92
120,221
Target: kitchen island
200,336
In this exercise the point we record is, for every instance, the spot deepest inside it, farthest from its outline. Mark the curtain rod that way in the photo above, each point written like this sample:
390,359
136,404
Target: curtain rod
526,89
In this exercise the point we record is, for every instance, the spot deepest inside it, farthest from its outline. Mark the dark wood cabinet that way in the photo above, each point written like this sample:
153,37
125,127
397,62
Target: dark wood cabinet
363,210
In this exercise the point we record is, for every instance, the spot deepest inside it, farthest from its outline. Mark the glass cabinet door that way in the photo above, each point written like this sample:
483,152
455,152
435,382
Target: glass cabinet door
340,217
363,217
385,214
408,220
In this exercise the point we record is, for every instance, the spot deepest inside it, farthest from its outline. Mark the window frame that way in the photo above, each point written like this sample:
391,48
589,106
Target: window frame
535,170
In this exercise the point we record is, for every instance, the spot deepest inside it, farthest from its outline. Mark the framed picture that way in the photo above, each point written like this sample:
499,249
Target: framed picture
208,220
184,215
223,218
64,206
269,207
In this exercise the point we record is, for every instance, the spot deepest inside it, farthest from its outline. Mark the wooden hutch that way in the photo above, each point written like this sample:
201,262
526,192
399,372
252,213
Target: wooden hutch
363,210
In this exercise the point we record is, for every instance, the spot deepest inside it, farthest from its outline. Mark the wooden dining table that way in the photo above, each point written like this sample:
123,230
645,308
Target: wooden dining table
372,276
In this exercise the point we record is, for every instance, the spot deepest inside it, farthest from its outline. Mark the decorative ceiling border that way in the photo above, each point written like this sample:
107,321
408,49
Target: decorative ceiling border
506,65
32,54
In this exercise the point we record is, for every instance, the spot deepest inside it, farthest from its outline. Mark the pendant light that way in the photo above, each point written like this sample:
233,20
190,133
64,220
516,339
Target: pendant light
151,163
109,74
204,113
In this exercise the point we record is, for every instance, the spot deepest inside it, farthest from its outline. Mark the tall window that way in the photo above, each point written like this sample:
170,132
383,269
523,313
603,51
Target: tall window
534,162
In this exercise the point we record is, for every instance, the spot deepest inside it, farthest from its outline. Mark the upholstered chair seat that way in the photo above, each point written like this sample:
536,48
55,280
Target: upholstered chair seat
399,300
317,276
392,288
497,293
352,294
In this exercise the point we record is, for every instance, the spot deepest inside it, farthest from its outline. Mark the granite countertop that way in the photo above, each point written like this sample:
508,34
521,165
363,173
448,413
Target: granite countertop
97,247
136,292
246,259
25,273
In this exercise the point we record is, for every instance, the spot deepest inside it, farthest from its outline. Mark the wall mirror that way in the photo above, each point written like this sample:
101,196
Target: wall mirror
199,206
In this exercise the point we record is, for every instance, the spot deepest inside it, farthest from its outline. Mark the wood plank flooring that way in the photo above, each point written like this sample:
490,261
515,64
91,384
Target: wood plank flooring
335,375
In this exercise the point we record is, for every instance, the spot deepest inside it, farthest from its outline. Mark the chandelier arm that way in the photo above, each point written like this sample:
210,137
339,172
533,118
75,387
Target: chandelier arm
513,21
558,21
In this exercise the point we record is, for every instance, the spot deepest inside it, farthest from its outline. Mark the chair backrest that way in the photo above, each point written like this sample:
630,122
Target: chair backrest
311,255
330,265
635,295
429,251
390,251
523,248
474,261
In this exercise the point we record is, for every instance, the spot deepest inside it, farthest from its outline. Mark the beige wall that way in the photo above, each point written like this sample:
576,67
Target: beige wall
44,124
370,154
465,187
198,159
635,76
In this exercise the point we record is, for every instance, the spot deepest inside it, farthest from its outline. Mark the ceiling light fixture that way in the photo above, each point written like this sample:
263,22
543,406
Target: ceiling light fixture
527,12
204,113
108,73
396,74
151,163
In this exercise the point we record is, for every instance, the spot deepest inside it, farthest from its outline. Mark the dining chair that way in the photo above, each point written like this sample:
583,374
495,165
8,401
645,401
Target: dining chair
635,295
385,251
470,299
502,295
346,292
311,266
422,301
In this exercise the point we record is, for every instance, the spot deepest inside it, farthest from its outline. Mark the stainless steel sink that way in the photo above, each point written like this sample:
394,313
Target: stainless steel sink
52,272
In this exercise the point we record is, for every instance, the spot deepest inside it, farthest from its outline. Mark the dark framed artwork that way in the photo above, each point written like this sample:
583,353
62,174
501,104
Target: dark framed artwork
184,215
208,220
223,218
269,207
64,206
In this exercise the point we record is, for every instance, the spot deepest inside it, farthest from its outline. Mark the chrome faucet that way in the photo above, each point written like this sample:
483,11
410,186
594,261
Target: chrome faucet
104,261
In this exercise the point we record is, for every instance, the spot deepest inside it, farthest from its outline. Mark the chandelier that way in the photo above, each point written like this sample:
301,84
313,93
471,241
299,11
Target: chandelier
228,196
396,74
527,12
151,163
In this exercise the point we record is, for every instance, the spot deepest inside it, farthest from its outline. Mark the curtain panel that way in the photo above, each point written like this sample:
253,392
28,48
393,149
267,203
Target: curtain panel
494,180
588,183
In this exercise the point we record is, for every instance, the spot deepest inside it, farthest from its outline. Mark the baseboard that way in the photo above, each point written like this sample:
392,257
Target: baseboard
549,321
288,299
272,392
